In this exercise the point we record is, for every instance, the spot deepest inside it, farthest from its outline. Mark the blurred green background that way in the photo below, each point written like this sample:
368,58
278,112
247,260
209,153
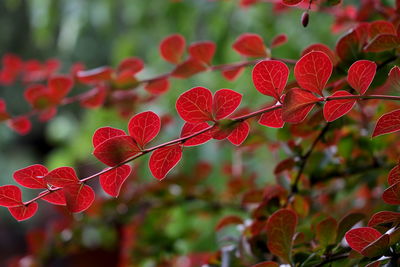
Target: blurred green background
103,32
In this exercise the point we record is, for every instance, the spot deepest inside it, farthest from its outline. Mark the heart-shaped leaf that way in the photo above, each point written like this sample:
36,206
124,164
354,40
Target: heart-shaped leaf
195,105
191,128
10,196
112,181
78,196
313,71
388,123
144,127
360,75
164,159
116,150
172,48
24,212
281,226
270,77
336,108
32,176
225,102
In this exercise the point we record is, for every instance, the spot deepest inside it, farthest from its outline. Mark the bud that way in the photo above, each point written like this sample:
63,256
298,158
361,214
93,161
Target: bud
304,19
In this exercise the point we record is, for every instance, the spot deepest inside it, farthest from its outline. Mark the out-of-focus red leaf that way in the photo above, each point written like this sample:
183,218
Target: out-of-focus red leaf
240,133
313,71
62,177
270,77
195,105
394,175
157,87
279,40
94,75
383,42
250,45
298,103
60,86
10,196
291,2
191,128
172,48
144,127
22,125
47,114
322,48
115,150
78,196
112,181
359,238
203,51
384,217
133,65
3,111
380,27
392,194
232,74
188,68
32,176
336,108
349,46
266,264
225,102
164,159
95,97
361,74
387,123
24,212
272,119
228,220
281,226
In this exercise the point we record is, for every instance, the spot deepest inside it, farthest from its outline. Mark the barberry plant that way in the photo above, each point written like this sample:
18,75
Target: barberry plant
331,104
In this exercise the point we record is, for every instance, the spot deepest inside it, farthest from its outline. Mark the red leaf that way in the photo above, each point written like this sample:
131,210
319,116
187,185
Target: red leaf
379,27
133,65
322,48
24,212
116,150
270,77
225,102
94,75
22,125
392,194
62,176
158,86
383,42
233,73
60,86
94,98
272,119
291,2
281,226
361,74
3,112
394,77
394,175
105,133
266,264
10,196
172,48
377,248
313,71
191,128
78,196
349,46
195,105
228,220
360,238
188,68
240,133
39,96
144,127
279,40
203,51
164,159
112,181
336,108
250,45
298,103
56,198
47,114
388,123
384,217
32,176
